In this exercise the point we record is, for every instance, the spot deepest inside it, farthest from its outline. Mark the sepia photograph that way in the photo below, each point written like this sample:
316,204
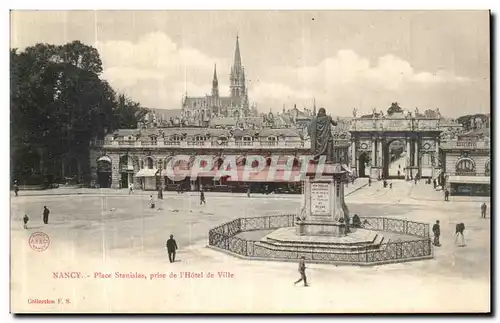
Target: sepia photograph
250,161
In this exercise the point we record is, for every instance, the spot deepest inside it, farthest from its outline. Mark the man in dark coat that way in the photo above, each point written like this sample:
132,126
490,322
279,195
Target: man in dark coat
171,248
320,132
46,213
446,195
202,198
302,271
16,188
483,210
459,233
436,229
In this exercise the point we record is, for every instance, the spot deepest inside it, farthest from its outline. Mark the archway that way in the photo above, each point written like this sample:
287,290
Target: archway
394,159
364,161
126,170
465,167
104,172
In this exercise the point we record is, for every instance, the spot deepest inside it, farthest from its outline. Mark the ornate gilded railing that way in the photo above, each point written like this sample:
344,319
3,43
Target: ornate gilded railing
224,237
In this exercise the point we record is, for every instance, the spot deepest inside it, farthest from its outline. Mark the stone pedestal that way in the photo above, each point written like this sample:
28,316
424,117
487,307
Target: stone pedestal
375,172
323,207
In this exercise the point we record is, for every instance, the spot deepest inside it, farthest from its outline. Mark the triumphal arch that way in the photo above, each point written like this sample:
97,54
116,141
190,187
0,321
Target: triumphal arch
398,144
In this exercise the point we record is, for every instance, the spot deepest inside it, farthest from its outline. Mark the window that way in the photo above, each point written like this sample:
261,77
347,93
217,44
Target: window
218,163
487,168
465,166
176,138
199,138
337,187
154,140
149,162
272,141
247,139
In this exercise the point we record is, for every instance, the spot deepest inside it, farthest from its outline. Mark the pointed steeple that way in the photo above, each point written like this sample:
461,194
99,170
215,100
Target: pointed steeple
215,83
237,76
314,107
237,56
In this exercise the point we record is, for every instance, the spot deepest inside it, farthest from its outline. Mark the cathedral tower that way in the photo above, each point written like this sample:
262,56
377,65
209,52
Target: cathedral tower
215,84
237,76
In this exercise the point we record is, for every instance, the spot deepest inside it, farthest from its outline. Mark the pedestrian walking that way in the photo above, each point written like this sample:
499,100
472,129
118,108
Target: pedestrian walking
434,183
446,195
302,271
202,198
16,188
46,213
459,233
171,248
369,181
436,229
130,188
248,191
483,210
390,185
25,221
151,202
160,192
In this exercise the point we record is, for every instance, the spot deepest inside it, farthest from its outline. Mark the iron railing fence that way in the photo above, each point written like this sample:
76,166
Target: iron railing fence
224,237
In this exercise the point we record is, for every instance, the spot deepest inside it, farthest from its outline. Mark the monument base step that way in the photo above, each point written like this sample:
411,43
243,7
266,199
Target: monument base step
286,239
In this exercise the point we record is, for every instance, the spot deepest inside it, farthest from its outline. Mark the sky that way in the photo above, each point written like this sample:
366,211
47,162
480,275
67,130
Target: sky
341,59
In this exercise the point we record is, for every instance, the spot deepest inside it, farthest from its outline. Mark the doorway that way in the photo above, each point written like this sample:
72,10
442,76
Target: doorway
364,161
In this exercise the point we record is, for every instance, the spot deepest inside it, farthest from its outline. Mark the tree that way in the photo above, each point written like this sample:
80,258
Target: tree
58,105
128,113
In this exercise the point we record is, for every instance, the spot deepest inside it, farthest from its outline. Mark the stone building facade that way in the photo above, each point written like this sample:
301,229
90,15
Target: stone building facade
138,156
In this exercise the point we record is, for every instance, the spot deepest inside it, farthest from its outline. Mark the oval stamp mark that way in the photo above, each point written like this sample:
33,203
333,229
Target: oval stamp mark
39,241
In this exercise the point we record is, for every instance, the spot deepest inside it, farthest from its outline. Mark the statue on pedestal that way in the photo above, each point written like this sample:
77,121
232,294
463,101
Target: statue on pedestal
320,132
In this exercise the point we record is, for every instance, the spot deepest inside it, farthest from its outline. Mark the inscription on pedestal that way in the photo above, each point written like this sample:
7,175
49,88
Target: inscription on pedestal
320,199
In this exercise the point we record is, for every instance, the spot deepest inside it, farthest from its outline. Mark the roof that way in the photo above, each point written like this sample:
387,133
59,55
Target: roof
166,114
469,179
223,121
126,132
194,131
286,132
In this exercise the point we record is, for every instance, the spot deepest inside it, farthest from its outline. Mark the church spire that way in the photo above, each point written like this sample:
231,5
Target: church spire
237,56
314,107
215,83
237,76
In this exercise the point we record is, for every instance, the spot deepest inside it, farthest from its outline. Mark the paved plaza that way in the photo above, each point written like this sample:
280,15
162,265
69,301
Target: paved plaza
108,231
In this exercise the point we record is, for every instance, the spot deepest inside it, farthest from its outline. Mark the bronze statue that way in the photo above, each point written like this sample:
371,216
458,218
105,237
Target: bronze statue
320,132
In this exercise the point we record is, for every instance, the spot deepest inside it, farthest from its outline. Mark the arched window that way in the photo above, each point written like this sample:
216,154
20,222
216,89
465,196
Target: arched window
199,138
218,163
487,168
176,138
149,162
154,140
241,161
272,140
247,140
465,167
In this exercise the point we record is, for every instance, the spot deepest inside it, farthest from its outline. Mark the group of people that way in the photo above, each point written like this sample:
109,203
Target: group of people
459,234
45,217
